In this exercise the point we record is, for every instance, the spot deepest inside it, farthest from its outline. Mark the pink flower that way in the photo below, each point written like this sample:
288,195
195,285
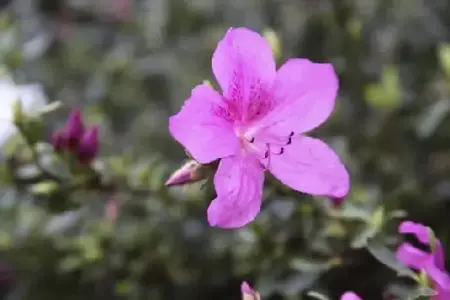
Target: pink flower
88,146
74,129
59,140
257,124
248,293
190,172
432,263
350,296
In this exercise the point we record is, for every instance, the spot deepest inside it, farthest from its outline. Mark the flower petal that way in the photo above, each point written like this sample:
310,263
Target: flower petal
420,231
239,185
244,67
350,296
440,277
412,257
310,166
438,256
305,93
206,135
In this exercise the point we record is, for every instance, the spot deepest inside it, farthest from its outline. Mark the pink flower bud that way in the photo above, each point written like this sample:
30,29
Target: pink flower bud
248,293
59,140
190,172
74,129
88,146
337,202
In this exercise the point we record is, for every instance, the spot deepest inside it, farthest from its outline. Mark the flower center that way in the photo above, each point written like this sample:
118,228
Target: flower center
263,145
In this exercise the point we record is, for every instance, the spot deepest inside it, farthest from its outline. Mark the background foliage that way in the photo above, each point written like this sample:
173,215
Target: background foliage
130,64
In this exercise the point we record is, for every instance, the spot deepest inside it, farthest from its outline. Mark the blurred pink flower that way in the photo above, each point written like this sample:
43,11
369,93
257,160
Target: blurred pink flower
59,140
188,173
432,263
74,129
88,146
248,293
257,124
350,296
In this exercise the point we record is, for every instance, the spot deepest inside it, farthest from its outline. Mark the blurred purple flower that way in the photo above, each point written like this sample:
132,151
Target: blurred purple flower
74,129
59,140
257,124
88,146
432,263
248,293
350,296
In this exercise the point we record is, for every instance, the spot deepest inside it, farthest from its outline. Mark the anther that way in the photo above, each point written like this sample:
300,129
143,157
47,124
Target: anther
266,154
252,140
281,151
289,141
291,134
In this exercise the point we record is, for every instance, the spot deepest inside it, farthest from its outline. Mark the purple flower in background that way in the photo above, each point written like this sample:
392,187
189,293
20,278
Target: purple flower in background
59,140
88,146
432,263
74,129
350,296
257,124
248,293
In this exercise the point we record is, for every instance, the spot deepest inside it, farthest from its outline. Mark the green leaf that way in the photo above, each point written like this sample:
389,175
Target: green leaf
361,239
444,57
317,295
387,93
46,188
70,263
378,217
387,258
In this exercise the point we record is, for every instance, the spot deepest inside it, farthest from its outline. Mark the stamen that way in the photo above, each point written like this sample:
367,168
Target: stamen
281,151
252,140
266,154
289,141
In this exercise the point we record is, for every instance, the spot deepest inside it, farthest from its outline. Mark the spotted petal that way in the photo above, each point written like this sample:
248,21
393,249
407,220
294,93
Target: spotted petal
201,130
310,166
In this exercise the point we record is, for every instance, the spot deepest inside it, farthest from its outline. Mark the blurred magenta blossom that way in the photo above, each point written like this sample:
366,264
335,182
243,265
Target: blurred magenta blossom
76,138
31,97
248,293
432,263
350,296
257,124
188,173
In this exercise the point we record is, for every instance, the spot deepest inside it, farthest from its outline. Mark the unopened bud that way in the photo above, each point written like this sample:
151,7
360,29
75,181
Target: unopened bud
248,293
88,146
59,140
190,172
337,202
74,129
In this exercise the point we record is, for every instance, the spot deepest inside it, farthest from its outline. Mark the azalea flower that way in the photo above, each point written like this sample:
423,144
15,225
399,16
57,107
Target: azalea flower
432,263
248,293
257,124
31,96
350,296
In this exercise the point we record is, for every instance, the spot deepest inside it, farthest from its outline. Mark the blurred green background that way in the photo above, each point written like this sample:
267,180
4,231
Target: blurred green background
129,65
